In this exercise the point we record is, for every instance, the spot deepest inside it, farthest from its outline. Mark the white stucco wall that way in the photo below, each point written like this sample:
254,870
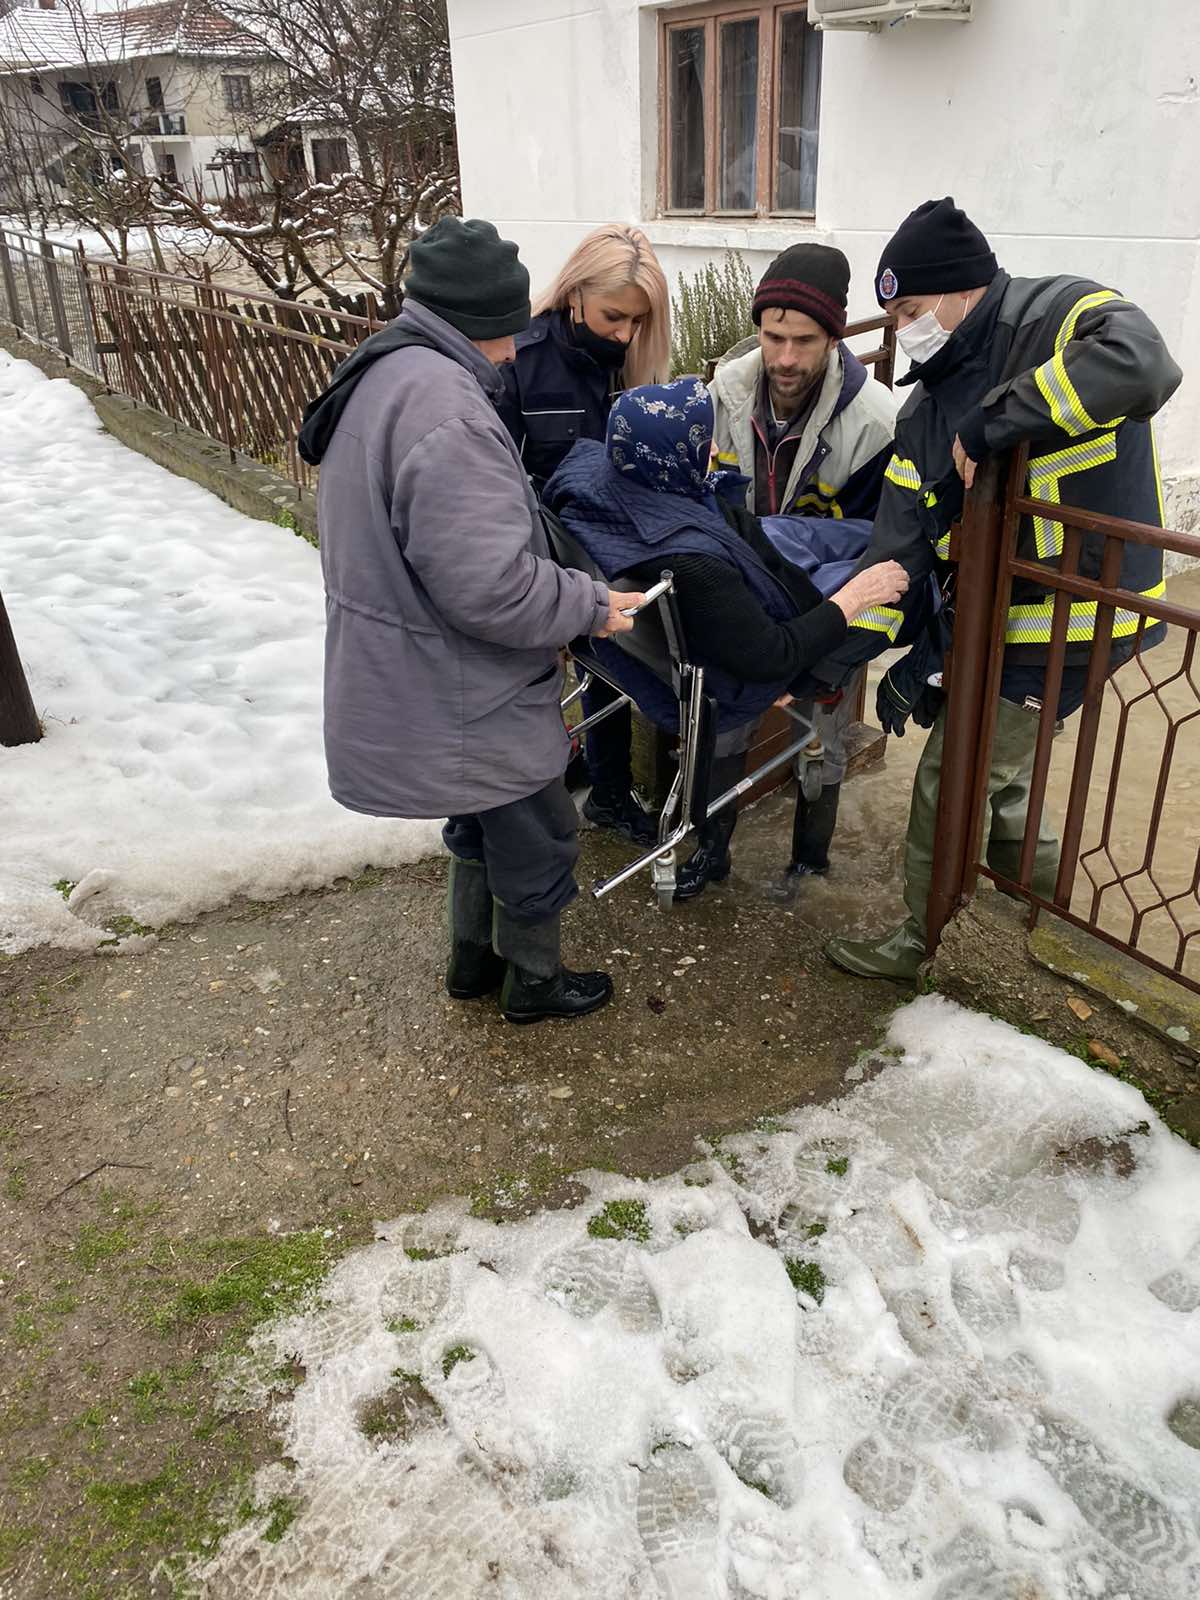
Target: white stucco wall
1069,129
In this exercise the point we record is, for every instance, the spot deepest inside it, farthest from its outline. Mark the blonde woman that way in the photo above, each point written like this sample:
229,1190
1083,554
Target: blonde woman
603,325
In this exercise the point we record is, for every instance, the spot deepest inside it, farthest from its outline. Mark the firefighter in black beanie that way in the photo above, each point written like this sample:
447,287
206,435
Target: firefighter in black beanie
1078,371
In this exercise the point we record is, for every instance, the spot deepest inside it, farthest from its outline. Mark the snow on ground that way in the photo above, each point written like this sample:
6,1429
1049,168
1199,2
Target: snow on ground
985,1387
173,649
94,243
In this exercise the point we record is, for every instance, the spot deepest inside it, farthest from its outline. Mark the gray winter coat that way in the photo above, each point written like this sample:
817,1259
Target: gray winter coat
444,613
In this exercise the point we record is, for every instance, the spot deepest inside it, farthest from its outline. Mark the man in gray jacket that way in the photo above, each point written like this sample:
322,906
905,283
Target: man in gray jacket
445,617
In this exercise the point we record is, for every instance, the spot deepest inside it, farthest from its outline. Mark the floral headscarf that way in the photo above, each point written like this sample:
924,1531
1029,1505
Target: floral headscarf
661,436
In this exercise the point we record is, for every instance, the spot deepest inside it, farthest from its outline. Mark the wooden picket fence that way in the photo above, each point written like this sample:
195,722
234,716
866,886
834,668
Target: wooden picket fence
234,365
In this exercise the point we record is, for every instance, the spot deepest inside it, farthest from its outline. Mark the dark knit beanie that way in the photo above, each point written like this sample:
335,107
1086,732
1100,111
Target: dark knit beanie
935,249
813,278
465,273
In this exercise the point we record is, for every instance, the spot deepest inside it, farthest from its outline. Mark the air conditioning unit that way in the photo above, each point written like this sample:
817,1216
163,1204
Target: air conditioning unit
869,16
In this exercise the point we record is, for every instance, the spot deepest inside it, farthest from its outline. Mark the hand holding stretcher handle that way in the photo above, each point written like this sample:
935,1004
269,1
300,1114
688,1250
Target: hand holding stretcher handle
651,594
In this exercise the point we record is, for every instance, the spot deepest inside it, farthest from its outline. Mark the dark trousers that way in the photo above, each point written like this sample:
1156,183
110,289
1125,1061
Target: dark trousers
608,743
528,848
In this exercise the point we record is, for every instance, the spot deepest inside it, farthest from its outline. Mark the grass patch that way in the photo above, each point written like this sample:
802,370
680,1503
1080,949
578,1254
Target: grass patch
65,887
128,1498
32,1473
148,1391
621,1219
94,1418
403,1325
124,927
258,1279
400,1411
371,878
282,1511
284,518
15,1539
839,1166
456,1354
95,1245
807,1277
25,1330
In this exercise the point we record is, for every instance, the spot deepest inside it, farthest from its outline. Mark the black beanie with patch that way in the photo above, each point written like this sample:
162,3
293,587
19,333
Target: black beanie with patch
813,278
465,273
936,249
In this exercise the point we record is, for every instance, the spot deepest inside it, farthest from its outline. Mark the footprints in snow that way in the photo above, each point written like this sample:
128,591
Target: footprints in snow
881,1477
677,1520
602,1273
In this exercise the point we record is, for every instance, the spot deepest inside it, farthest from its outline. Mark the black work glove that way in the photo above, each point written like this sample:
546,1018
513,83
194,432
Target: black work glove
905,692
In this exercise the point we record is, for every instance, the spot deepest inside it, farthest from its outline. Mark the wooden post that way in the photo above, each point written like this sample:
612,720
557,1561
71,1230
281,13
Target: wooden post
18,720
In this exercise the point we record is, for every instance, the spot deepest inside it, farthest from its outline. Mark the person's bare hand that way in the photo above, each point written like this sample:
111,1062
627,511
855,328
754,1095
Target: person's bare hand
964,464
880,585
616,621
784,700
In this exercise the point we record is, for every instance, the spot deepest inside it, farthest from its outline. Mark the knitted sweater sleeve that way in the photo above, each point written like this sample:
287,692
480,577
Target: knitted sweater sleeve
724,626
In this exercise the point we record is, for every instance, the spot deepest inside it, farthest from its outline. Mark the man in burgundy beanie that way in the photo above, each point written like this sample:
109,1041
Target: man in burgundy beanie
800,416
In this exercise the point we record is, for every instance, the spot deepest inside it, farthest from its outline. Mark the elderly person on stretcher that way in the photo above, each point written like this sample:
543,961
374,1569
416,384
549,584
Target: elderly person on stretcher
752,614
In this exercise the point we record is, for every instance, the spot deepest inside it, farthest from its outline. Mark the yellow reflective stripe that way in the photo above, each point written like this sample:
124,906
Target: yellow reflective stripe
1032,624
942,548
1162,515
820,497
1066,333
727,458
1067,410
829,491
1047,472
880,619
903,473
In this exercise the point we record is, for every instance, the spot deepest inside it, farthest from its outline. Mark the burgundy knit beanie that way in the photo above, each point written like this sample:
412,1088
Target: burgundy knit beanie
813,278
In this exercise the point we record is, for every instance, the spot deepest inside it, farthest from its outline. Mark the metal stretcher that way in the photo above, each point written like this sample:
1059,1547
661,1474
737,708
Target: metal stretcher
657,642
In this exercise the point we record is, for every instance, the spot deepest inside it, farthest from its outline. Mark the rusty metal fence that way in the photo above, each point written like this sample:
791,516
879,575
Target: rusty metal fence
1129,866
236,366
43,294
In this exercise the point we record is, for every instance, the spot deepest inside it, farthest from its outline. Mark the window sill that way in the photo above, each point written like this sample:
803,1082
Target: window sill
729,233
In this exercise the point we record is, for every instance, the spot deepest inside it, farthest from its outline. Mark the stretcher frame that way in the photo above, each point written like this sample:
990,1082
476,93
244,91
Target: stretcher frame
657,642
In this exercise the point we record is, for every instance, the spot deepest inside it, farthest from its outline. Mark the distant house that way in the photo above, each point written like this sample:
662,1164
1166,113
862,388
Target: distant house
308,146
169,87
1068,131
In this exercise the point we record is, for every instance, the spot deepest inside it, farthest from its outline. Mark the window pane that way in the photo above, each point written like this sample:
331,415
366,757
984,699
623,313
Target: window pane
685,87
799,113
737,172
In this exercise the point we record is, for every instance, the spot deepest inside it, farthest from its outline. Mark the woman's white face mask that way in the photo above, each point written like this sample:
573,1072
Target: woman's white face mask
922,338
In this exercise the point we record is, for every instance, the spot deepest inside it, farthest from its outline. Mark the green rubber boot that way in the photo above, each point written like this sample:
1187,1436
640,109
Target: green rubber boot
1013,747
899,955
475,969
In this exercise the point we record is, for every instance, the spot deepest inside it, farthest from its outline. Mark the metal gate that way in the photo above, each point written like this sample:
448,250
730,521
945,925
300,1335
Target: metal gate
1129,870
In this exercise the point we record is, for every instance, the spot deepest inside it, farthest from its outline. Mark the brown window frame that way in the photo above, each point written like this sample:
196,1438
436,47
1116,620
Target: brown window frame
769,14
241,97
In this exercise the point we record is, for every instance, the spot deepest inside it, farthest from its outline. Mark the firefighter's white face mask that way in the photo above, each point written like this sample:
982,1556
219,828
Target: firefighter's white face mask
922,338
925,335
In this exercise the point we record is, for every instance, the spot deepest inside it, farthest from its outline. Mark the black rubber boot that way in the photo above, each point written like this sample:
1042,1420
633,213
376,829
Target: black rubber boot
812,831
475,969
536,984
710,862
619,811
